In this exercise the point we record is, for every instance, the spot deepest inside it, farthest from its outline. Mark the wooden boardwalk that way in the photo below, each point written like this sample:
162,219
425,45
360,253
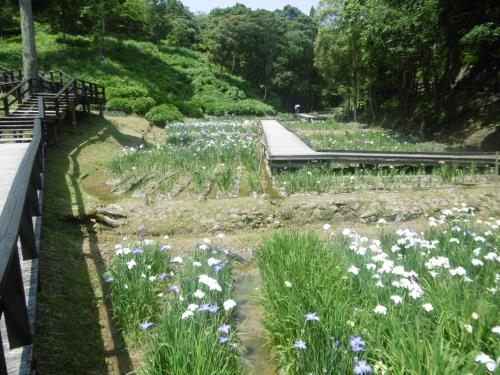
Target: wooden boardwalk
11,155
286,149
282,142
19,360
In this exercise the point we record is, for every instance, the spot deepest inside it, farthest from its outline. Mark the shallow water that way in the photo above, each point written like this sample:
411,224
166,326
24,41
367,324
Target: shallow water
251,331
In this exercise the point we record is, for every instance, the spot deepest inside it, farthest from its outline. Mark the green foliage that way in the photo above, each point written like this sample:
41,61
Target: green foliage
142,105
134,297
134,69
183,344
119,104
354,294
127,91
280,61
480,42
190,108
162,114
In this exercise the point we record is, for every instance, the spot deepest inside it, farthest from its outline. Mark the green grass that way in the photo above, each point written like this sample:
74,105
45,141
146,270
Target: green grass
206,155
331,178
346,280
134,69
333,135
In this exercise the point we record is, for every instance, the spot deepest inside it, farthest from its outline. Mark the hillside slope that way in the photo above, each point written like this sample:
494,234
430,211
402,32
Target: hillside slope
134,69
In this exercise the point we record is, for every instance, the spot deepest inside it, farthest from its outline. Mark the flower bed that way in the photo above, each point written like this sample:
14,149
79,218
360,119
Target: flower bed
408,303
178,311
206,156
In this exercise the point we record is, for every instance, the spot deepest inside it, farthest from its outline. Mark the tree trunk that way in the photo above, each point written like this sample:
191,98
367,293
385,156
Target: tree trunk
234,62
355,95
30,59
103,32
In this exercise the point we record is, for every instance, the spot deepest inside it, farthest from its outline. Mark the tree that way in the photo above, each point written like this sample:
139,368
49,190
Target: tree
30,58
156,21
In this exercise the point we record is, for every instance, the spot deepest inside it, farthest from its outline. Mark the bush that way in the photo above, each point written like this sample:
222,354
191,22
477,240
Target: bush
143,104
126,92
190,109
119,104
162,114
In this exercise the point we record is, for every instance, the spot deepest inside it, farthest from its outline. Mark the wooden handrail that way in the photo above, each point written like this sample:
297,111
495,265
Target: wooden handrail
16,224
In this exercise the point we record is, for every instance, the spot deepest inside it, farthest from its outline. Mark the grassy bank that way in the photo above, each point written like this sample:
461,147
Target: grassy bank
138,77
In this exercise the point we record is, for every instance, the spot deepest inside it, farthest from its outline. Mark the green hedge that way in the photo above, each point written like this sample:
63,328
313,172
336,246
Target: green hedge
119,104
142,105
162,114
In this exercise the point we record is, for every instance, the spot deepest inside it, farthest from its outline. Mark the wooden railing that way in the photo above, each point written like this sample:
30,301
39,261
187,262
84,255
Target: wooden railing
16,227
67,89
25,90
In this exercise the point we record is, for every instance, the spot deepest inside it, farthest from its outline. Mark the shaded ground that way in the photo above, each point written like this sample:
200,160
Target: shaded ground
75,334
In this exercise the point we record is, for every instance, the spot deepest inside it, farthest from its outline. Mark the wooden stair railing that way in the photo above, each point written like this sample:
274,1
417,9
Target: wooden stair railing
16,227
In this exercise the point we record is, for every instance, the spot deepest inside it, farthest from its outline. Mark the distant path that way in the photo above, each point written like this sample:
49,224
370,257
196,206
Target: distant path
281,141
285,149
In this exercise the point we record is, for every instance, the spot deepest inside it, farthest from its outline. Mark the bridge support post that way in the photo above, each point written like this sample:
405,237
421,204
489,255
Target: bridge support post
73,117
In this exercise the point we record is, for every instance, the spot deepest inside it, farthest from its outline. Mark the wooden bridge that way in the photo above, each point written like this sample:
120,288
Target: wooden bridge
30,107
284,148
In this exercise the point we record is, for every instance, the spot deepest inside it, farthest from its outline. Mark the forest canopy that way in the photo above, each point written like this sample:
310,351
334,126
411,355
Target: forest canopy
372,57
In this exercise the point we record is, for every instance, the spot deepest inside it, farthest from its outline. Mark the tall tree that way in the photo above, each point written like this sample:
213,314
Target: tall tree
30,58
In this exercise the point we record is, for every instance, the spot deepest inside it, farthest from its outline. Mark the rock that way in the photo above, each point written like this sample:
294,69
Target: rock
112,210
138,194
113,181
108,221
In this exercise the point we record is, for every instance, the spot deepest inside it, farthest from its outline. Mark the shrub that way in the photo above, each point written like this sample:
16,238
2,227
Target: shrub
119,104
190,109
126,91
142,105
163,113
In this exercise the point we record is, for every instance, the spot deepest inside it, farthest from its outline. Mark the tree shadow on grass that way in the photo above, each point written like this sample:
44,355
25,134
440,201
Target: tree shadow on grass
74,332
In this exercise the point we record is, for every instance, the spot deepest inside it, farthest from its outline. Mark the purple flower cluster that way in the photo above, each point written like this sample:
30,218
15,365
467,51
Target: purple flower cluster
357,344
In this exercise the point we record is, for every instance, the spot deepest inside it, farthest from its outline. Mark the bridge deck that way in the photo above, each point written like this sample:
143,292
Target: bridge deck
11,156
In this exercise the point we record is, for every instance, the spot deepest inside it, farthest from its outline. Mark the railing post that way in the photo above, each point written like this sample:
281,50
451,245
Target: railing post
41,107
6,106
14,305
30,87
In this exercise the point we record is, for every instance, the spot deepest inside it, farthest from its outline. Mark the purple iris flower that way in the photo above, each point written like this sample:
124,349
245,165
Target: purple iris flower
224,329
312,317
163,276
362,367
357,344
300,344
223,339
218,268
204,307
213,309
146,326
138,251
165,247
175,288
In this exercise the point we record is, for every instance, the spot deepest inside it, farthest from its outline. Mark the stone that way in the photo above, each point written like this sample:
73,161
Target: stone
109,221
112,210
